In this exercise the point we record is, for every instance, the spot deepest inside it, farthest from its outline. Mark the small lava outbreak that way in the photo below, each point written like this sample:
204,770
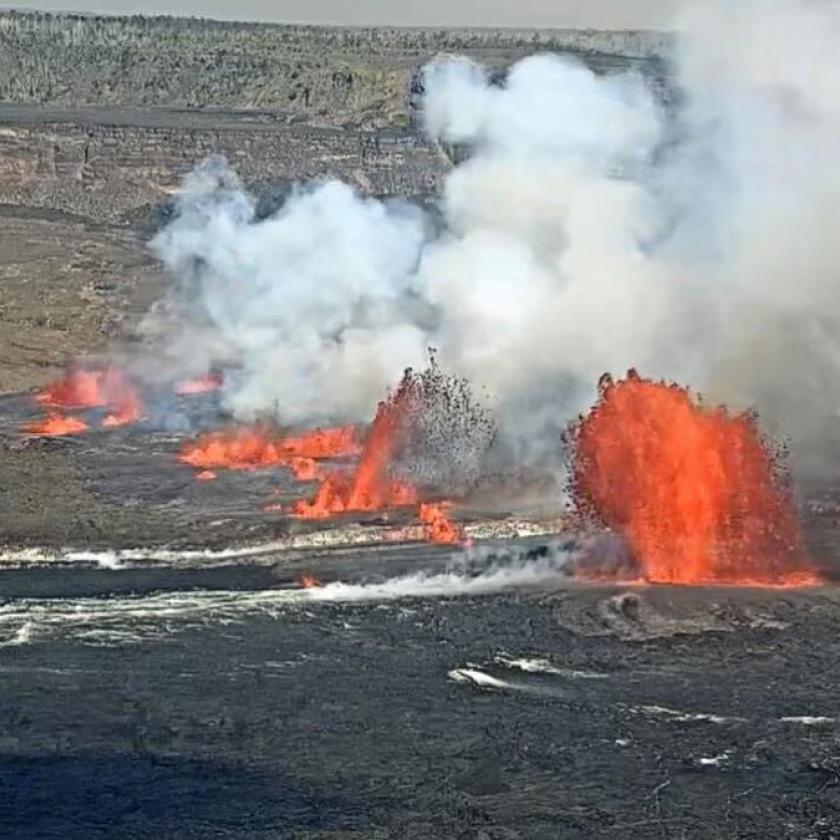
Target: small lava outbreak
695,491
253,447
79,388
92,388
437,527
211,381
84,388
96,387
55,425
370,486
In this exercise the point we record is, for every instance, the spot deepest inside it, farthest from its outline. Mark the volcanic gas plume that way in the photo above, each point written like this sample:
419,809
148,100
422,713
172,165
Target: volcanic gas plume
695,491
593,221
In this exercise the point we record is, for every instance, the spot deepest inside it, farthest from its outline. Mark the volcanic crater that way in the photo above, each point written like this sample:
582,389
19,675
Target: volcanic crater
247,630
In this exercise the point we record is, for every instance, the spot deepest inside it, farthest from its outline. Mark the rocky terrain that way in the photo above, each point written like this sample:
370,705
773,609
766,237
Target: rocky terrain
102,116
327,76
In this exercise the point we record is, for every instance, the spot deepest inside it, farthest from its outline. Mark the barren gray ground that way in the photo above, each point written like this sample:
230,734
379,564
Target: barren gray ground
704,714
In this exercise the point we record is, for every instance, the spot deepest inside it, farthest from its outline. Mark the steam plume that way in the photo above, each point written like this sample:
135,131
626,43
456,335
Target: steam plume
586,230
313,304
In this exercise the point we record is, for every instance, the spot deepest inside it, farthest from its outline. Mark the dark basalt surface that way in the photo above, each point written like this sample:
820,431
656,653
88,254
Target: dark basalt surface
663,716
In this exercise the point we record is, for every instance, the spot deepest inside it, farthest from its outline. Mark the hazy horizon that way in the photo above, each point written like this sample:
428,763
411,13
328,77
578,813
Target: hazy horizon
599,14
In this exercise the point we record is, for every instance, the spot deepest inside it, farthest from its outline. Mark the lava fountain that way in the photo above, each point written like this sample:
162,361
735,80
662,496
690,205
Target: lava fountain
695,491
370,486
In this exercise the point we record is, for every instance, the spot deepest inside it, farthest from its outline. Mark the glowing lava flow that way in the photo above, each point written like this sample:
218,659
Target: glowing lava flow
370,486
94,388
437,527
694,491
54,425
200,384
252,447
125,405
78,389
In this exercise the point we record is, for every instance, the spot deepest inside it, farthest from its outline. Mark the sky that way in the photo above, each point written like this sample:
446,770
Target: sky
612,14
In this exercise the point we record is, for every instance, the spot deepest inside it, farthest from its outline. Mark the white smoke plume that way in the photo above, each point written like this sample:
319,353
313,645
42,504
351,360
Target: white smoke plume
763,128
312,304
586,231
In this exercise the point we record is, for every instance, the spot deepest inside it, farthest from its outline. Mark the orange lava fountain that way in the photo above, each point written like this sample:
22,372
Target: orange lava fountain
370,486
695,491
54,425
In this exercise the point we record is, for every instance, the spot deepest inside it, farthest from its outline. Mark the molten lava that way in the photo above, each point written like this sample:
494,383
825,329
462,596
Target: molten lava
251,447
54,425
370,486
125,405
305,469
211,381
80,388
205,475
94,388
695,491
333,442
437,527
308,581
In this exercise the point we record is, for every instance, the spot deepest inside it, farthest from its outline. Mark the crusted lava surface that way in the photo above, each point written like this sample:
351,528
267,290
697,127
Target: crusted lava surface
206,702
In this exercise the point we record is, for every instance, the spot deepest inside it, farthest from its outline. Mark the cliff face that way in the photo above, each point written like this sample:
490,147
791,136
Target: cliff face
103,116
111,166
324,76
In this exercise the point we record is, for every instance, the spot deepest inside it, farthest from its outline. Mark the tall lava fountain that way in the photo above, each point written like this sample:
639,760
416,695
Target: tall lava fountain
696,491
